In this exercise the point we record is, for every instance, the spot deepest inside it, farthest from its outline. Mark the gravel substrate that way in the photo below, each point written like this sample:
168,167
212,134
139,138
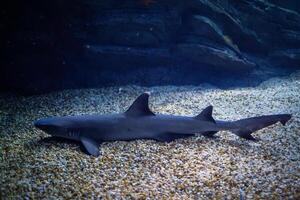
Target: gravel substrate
226,167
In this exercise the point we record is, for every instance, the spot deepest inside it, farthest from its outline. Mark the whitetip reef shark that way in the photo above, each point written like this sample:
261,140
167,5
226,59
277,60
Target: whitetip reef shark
139,122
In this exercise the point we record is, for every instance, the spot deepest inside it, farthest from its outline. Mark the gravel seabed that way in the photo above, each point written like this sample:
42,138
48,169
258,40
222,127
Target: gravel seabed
226,167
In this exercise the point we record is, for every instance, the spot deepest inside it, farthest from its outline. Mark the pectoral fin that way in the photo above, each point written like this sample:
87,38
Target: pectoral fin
91,146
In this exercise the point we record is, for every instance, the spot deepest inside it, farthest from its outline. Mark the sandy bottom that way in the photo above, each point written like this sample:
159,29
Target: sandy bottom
197,167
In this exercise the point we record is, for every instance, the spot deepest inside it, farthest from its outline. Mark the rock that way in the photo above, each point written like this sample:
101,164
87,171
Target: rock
220,58
270,29
230,18
289,4
127,56
135,28
285,58
228,35
204,29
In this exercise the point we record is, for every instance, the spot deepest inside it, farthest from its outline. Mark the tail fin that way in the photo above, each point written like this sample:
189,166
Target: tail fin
247,126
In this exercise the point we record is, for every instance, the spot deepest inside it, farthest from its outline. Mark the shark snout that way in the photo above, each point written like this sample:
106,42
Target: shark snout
40,124
44,125
48,125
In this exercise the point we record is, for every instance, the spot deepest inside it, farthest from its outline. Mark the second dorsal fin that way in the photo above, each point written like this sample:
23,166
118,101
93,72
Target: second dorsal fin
206,115
140,107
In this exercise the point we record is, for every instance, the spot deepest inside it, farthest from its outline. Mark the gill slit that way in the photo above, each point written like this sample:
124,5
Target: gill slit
74,134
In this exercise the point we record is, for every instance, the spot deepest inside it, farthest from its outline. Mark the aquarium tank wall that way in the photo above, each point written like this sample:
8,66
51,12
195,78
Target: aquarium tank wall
77,44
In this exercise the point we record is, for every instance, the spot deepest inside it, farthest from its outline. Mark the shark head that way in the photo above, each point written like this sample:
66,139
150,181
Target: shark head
58,127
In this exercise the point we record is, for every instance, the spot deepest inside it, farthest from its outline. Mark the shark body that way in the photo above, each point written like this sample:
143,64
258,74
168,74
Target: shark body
139,122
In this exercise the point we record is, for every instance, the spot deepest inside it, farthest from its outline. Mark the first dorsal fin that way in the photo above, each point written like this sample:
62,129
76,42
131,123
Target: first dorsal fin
206,115
140,107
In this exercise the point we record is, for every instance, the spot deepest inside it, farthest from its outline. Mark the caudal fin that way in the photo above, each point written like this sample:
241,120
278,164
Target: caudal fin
245,127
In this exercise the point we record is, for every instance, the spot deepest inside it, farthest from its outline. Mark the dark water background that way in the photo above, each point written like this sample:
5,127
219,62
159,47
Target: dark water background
54,45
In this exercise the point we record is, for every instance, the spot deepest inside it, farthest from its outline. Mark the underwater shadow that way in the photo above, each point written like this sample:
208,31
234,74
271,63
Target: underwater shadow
243,145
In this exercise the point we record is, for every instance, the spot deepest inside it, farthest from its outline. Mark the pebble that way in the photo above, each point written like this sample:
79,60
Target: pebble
226,167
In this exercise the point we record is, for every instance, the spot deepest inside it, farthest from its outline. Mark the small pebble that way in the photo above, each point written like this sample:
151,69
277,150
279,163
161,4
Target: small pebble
226,167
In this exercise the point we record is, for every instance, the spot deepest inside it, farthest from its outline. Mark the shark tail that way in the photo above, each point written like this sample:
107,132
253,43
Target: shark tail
245,127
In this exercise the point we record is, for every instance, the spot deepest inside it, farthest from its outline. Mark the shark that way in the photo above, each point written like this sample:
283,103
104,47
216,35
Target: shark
140,122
